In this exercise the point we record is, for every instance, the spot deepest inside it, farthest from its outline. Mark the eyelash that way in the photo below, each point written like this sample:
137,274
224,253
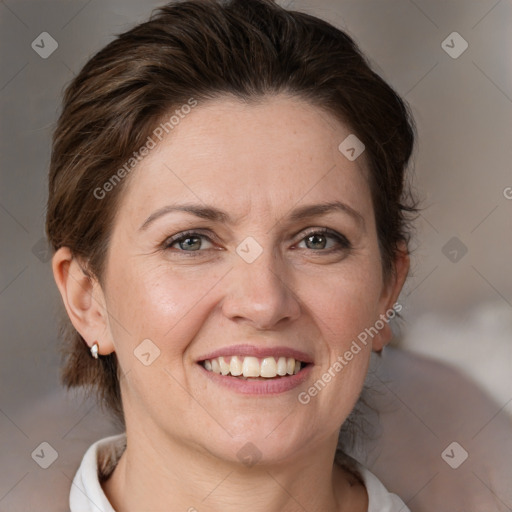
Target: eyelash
343,242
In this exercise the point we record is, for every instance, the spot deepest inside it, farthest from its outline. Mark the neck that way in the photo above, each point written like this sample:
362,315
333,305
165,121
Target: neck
156,472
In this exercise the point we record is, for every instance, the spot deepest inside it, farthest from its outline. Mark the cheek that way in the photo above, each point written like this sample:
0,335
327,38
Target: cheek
342,311
169,309
157,304
346,303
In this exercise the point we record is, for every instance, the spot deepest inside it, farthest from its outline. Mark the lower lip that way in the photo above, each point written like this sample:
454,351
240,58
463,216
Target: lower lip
259,387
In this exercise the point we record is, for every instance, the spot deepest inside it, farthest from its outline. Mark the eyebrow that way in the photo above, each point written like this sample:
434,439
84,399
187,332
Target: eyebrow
216,215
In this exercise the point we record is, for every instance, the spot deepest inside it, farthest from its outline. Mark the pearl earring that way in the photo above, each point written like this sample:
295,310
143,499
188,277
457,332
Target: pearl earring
94,350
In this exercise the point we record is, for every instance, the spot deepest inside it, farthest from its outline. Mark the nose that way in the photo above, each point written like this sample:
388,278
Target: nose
259,293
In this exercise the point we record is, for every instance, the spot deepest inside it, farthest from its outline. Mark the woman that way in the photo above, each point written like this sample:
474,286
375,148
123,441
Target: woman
226,210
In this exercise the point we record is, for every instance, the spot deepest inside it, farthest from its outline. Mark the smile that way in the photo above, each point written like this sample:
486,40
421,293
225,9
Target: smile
256,370
254,367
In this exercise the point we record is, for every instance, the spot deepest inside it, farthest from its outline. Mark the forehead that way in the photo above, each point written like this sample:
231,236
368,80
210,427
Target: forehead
263,155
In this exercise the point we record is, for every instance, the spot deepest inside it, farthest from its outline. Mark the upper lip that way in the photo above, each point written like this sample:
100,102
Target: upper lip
258,351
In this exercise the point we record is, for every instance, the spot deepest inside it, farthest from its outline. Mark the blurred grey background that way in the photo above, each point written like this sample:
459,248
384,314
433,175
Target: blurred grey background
458,299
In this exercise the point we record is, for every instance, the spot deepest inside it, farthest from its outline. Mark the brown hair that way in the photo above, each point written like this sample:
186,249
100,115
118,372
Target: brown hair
204,49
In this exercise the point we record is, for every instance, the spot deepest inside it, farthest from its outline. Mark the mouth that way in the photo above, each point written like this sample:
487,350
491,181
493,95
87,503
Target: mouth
254,368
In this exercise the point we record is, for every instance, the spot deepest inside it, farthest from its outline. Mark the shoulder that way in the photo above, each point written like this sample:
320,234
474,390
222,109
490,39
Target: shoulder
98,462
379,499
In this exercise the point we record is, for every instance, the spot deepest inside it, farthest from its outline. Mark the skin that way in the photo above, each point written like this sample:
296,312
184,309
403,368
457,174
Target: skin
258,163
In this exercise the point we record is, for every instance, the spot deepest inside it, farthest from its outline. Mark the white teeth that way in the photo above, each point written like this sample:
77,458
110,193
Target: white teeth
215,365
269,367
281,366
290,366
250,366
235,367
224,367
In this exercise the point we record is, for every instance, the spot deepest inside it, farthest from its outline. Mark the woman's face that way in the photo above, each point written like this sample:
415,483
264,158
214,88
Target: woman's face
255,276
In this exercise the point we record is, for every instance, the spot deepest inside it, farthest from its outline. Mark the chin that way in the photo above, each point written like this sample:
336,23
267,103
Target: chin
267,441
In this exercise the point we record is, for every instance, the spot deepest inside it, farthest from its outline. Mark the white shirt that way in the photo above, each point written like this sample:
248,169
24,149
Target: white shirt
87,494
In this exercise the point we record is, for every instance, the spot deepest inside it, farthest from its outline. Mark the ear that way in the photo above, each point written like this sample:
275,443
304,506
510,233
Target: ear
83,299
390,292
